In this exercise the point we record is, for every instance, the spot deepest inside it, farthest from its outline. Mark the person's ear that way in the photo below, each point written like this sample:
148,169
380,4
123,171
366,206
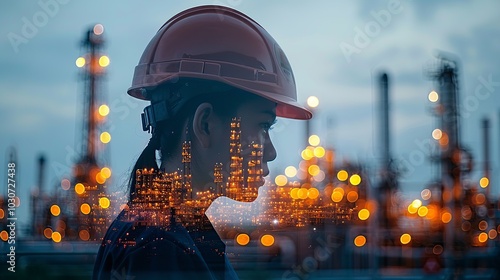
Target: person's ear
202,124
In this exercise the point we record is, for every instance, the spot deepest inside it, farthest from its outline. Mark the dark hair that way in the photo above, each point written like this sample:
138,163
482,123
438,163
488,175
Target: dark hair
225,104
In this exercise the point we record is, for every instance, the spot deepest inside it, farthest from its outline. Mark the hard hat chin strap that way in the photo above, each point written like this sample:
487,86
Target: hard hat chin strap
154,114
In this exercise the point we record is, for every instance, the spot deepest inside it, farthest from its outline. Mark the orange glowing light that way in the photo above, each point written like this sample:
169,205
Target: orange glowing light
319,152
280,180
79,188
411,209
483,237
242,239
313,170
84,234
99,178
56,237
55,210
4,235
106,172
416,203
85,208
360,241
313,193
103,110
446,217
443,141
484,182
479,198
307,154
47,232
342,175
352,196
294,193
363,214
2,214
355,179
302,193
432,212
337,196
105,137
405,238
423,211
267,240
104,202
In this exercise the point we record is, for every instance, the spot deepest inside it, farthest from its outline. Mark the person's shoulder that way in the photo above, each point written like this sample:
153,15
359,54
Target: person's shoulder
150,250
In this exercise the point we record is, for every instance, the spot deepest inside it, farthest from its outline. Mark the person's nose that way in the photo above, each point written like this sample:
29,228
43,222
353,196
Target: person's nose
269,150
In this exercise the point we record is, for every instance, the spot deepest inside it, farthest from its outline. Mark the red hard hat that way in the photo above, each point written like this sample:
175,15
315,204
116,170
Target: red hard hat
219,44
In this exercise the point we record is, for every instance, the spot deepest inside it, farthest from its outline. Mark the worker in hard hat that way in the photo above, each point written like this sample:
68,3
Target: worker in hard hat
205,70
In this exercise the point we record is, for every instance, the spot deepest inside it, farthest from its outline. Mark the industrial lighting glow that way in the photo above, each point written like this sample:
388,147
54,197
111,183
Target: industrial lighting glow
355,180
319,152
56,237
363,214
104,202
103,61
80,62
484,182
312,101
79,188
437,134
360,241
313,193
103,110
342,175
267,240
290,171
106,172
280,180
105,137
55,210
405,238
85,208
242,239
314,140
433,96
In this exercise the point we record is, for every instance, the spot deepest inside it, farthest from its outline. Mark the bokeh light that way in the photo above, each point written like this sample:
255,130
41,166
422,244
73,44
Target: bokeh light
360,241
267,240
242,239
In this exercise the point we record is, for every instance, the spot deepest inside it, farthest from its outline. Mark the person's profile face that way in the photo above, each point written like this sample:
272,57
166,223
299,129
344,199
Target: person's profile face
257,117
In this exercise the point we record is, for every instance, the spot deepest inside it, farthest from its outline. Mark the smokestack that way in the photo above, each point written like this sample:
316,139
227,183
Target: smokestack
486,151
41,173
384,121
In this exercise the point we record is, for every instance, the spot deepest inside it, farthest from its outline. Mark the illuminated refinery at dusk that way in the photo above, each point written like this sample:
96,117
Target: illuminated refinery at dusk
322,217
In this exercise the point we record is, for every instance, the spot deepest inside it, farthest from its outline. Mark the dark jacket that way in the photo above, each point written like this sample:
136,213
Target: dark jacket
132,251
